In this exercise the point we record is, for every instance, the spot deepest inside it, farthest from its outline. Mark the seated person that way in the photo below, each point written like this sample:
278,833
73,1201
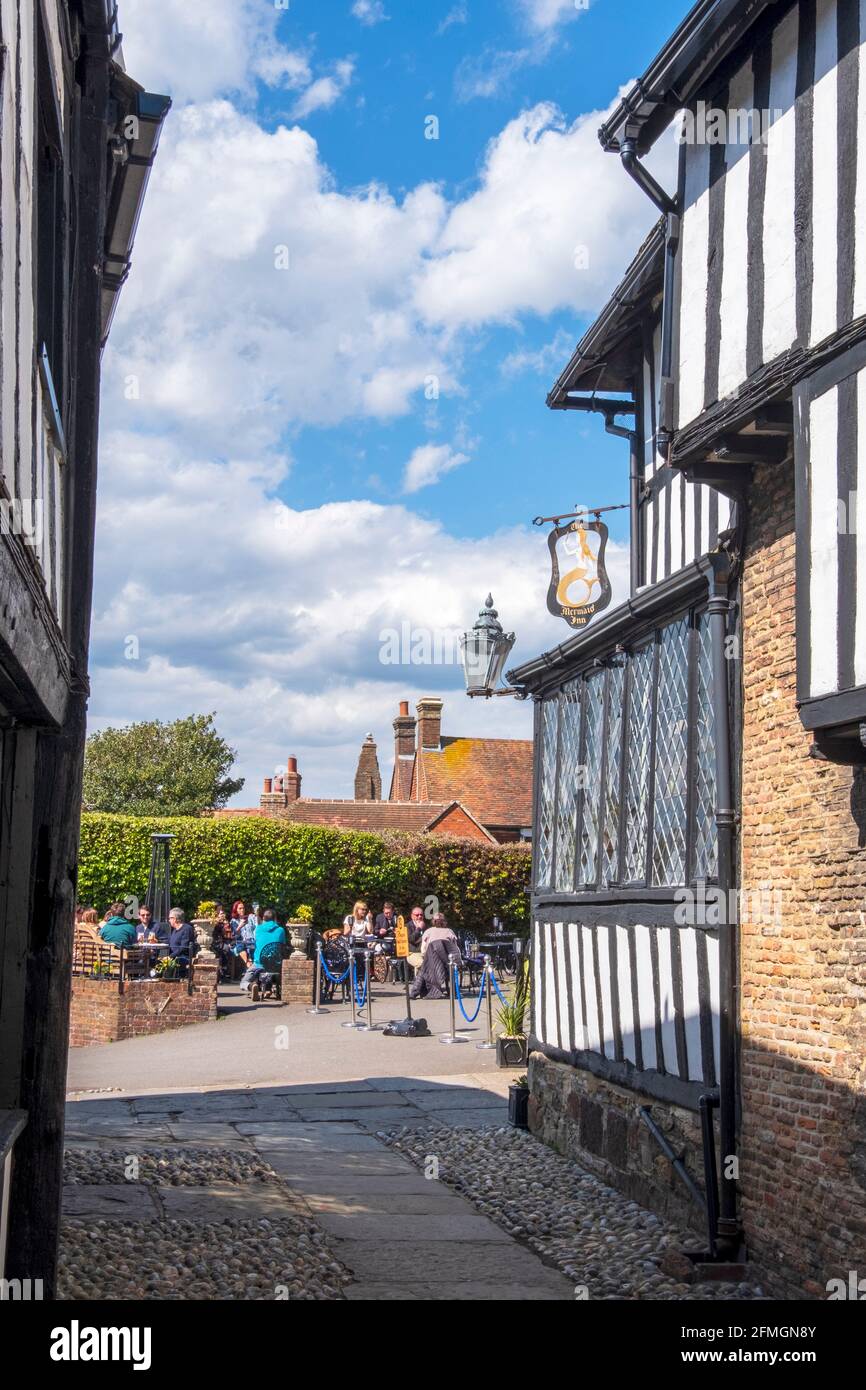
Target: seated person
439,943
181,937
268,953
359,923
149,930
386,922
116,928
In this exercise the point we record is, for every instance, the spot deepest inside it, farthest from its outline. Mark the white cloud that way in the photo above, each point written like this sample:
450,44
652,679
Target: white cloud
549,357
488,74
542,15
197,51
325,92
428,464
369,12
274,617
458,15
552,224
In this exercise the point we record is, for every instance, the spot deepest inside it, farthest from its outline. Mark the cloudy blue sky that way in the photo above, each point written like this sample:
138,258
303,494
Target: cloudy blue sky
323,398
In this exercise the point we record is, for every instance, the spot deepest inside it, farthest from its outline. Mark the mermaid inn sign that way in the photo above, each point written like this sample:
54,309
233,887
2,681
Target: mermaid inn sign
579,584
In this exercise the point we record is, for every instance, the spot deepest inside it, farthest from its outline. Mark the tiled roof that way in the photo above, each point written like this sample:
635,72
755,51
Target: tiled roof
361,815
492,777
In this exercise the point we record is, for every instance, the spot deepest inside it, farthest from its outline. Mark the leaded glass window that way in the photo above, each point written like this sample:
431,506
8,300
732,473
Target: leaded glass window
547,791
570,781
627,768
593,729
612,777
639,751
670,782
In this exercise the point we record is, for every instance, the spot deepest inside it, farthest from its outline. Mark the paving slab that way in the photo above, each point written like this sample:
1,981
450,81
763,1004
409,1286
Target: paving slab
128,1201
434,1199
324,1188
114,1110
297,1129
133,1137
462,1224
217,1135
467,1292
335,1169
348,1100
383,1116
449,1263
453,1098
336,1144
225,1201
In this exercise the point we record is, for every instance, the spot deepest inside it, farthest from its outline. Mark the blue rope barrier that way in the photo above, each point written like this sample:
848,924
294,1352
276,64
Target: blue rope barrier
335,979
502,998
459,996
360,1001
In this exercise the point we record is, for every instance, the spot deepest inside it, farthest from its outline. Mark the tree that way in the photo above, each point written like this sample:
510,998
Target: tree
157,769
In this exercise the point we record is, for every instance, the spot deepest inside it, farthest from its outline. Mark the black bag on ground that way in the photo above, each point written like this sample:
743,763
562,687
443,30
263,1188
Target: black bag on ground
406,1028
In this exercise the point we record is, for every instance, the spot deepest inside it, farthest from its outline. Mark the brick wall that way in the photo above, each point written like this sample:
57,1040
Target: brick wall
803,969
100,1014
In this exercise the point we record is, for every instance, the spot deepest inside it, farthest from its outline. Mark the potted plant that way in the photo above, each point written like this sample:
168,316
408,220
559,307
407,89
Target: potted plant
518,1103
204,923
511,1044
300,929
167,968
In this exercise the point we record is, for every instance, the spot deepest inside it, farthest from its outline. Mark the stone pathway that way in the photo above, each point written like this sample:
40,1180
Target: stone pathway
240,1193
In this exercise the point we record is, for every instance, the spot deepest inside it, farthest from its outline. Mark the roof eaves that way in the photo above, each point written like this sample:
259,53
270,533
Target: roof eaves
707,36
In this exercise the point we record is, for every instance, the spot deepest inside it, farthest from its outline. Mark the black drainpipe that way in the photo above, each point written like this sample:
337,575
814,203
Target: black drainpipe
610,408
667,205
719,576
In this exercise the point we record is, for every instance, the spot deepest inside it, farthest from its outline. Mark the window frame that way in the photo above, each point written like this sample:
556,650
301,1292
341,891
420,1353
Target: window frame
600,666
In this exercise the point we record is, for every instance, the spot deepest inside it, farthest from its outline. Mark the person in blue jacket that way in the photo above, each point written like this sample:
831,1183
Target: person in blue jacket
270,945
117,929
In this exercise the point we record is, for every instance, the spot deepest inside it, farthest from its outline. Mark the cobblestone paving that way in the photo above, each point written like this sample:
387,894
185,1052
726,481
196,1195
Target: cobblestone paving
607,1245
247,1235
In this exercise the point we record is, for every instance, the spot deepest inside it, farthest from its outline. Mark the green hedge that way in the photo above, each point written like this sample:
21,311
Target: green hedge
282,865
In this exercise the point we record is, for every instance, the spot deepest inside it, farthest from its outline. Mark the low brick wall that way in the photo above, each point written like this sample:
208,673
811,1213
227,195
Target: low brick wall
597,1124
100,1014
297,982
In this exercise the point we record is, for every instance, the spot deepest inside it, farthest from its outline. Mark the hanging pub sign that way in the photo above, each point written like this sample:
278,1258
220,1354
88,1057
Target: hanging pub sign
579,583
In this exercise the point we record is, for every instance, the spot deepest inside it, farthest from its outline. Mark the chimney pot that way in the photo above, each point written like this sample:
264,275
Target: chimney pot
269,785
404,708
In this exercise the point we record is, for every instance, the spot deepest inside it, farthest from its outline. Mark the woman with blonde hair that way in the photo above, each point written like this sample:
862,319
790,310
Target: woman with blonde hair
359,922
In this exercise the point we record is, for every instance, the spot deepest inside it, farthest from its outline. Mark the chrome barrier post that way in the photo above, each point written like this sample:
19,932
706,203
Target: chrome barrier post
318,994
486,1046
452,1037
369,1026
353,1021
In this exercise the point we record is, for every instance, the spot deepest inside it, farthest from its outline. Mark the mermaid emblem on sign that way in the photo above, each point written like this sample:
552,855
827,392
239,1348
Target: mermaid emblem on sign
579,585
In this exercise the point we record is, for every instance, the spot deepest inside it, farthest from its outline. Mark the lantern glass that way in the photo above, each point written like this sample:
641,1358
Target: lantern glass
485,650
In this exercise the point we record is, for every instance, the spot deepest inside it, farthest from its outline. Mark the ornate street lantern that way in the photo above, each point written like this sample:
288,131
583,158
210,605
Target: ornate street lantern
485,649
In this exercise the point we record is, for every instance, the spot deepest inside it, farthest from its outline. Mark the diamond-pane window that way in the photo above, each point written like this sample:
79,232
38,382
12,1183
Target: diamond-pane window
637,772
591,772
706,838
610,819
547,793
568,794
671,758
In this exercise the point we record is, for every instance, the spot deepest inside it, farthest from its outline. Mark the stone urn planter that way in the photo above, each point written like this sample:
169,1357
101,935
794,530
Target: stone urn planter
204,930
299,934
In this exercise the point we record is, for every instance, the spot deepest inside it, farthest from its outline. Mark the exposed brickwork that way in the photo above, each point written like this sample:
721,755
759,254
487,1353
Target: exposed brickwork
803,976
101,1014
368,778
297,982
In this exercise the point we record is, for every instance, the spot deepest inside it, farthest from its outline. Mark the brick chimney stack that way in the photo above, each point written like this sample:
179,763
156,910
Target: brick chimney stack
368,778
292,781
404,732
429,722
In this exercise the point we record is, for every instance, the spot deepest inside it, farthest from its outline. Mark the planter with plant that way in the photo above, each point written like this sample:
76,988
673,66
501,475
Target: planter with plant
167,968
300,929
518,1103
204,924
511,1044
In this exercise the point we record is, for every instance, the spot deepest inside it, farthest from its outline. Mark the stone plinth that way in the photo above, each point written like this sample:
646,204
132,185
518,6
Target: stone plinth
298,980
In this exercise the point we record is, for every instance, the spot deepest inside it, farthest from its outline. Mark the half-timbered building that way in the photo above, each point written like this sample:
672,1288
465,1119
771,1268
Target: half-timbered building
699,947
77,140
